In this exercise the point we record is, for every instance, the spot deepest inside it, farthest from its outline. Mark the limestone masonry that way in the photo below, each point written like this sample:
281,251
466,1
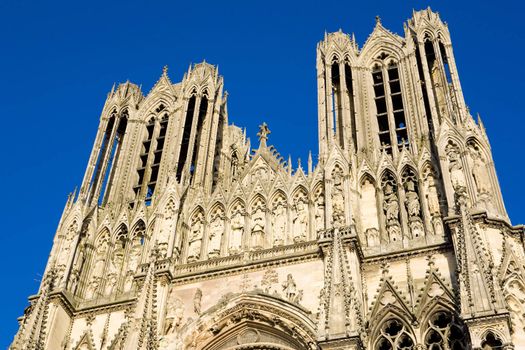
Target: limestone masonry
184,235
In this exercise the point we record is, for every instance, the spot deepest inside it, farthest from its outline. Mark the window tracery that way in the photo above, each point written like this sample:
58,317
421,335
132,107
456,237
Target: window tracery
445,332
394,335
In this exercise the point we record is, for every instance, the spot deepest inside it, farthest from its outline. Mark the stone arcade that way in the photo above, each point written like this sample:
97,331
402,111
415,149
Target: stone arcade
184,237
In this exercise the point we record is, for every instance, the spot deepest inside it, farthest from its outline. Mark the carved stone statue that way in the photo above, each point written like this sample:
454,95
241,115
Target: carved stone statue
479,173
216,231
167,229
174,313
338,201
391,208
300,222
455,168
319,213
279,225
197,231
432,197
289,287
197,298
412,200
258,223
237,231
391,205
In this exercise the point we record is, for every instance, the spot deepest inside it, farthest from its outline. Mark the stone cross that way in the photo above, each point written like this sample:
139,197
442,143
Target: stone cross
263,133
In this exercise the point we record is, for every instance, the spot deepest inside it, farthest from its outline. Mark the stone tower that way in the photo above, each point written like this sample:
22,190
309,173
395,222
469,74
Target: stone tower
184,237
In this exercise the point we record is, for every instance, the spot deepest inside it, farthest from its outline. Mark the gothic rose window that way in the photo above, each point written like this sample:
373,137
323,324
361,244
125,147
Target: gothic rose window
394,336
444,333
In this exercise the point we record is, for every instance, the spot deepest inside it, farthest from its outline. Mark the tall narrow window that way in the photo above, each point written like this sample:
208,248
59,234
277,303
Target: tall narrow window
390,113
337,107
101,156
397,106
198,133
424,92
350,89
150,157
445,62
113,158
186,137
381,110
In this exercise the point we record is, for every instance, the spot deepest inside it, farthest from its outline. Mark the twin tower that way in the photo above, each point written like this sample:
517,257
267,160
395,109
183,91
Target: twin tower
184,235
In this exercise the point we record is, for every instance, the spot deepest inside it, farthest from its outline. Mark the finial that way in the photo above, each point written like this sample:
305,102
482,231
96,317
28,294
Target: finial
310,162
165,70
378,20
298,162
263,133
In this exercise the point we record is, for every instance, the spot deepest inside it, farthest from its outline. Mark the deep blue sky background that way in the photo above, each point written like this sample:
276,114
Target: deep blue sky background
58,60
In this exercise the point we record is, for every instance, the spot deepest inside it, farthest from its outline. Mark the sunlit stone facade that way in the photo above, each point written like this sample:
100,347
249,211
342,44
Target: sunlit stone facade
184,235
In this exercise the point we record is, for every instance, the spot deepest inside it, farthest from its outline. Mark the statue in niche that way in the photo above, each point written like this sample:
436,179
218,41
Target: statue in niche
479,173
391,207
300,221
174,313
134,257
98,269
168,228
115,264
237,230
197,298
196,233
279,224
432,197
433,205
216,231
319,213
413,210
412,199
65,249
455,168
338,201
258,223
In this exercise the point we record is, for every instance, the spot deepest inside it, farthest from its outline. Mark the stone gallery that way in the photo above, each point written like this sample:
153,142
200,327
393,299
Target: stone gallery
185,235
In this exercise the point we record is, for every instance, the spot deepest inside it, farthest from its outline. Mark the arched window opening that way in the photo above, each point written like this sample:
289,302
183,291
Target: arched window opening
337,107
394,336
446,332
491,342
218,148
424,92
113,158
100,157
150,157
381,109
198,133
350,90
397,106
430,54
446,65
186,137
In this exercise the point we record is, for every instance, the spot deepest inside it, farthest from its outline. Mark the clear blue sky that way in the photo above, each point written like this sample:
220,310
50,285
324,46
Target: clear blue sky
58,60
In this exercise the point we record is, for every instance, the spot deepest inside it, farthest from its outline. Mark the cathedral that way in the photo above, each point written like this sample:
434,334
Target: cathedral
184,234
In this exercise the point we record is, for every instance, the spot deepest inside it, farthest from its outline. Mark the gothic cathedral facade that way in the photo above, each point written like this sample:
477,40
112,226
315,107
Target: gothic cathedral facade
184,235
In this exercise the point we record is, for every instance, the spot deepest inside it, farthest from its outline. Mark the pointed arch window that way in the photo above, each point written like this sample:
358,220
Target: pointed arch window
390,113
394,335
445,332
114,155
150,156
186,133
